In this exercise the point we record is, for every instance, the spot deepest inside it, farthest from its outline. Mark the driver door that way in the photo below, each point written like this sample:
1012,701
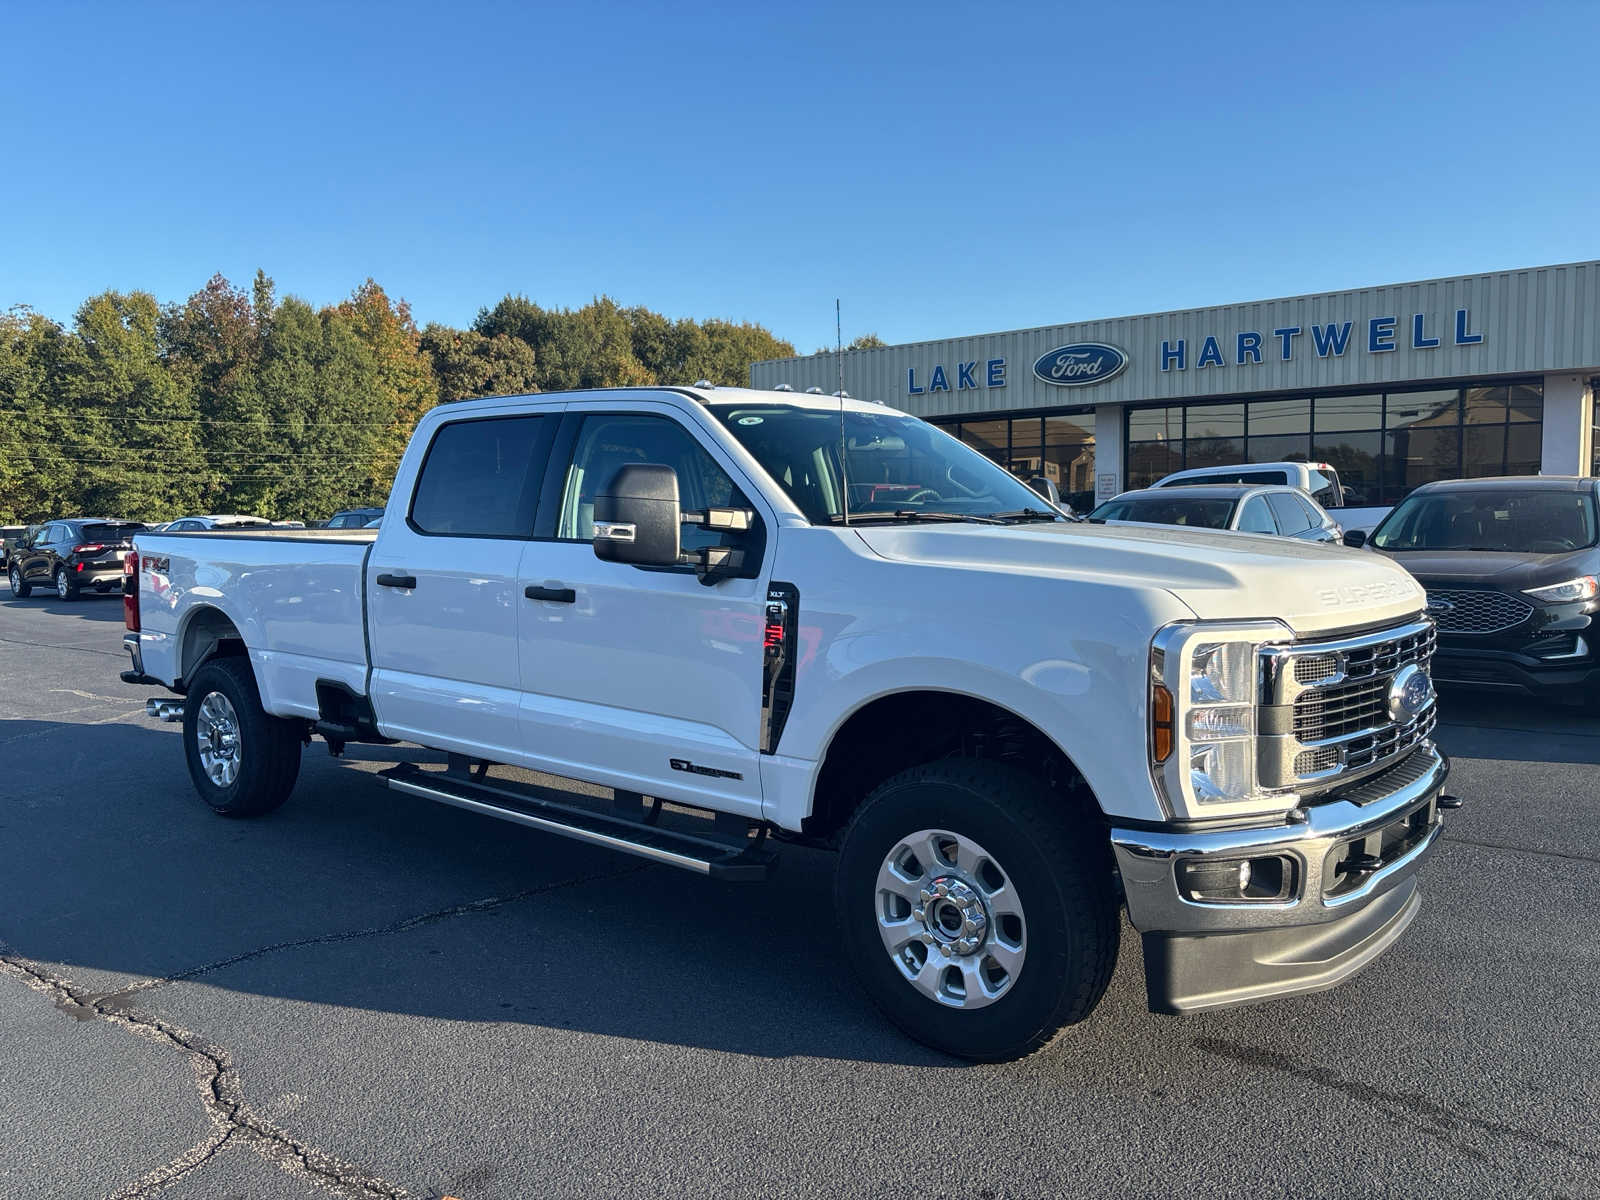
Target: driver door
643,679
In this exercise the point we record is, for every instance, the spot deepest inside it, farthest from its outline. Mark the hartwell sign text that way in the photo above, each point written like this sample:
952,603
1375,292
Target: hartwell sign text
1329,341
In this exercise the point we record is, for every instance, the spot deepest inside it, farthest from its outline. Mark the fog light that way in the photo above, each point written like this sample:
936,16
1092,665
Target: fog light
1261,880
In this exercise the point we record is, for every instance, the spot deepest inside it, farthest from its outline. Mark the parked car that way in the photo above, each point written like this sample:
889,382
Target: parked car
217,521
1512,570
353,518
1318,480
68,556
1243,508
1008,724
10,535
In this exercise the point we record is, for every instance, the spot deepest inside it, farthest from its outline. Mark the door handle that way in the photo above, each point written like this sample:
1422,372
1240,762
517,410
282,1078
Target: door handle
399,581
555,595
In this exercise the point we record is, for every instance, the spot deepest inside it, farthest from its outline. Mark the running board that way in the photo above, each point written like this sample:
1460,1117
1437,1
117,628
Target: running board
535,807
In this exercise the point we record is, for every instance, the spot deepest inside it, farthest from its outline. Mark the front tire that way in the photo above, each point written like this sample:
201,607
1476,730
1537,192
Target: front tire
243,760
977,907
66,588
19,589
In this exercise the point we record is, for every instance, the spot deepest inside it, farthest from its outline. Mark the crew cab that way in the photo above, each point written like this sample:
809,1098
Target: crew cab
760,618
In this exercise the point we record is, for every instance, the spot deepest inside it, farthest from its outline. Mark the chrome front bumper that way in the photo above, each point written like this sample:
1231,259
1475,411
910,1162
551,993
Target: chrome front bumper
1354,859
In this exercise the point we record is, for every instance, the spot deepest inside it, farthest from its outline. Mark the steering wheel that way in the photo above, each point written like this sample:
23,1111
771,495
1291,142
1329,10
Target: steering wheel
921,494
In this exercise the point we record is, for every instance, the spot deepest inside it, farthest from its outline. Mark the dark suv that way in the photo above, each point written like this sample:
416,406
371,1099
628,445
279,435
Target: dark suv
68,556
10,535
352,518
1512,571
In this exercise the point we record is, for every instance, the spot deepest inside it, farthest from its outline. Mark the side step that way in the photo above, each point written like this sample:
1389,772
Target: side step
536,807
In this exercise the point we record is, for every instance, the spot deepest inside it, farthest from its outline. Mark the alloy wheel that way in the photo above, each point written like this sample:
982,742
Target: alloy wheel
216,735
950,919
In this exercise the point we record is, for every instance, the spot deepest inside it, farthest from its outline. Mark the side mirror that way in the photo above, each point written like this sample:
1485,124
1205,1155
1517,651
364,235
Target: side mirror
637,518
1046,488
1355,538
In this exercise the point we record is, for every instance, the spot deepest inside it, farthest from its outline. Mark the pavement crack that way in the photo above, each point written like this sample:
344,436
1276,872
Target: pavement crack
222,1094
1410,1108
466,908
1482,845
57,646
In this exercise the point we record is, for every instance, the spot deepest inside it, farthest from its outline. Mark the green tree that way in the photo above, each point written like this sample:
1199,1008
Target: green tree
132,431
468,364
35,478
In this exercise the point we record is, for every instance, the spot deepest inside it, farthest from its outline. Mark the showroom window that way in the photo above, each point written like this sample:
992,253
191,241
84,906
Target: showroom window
1383,444
1058,447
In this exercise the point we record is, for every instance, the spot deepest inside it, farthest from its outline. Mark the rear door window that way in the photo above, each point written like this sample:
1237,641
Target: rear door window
1256,517
481,478
1293,517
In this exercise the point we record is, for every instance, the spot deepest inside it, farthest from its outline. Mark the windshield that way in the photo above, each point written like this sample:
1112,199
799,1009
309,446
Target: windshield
1201,512
1509,520
895,464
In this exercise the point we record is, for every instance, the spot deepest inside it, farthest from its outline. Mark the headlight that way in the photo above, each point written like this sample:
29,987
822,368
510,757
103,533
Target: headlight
1203,698
1585,587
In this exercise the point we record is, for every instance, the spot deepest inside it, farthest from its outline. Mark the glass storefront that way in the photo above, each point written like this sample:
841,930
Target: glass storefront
1060,448
1383,444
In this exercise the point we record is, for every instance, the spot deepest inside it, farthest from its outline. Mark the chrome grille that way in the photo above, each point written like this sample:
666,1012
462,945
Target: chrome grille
1476,610
1358,701
1327,706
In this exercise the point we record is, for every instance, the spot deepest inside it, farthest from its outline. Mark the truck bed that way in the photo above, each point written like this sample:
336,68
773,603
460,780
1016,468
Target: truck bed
295,596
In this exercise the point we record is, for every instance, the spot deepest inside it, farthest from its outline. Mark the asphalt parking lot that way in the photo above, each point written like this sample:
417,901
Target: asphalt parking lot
369,995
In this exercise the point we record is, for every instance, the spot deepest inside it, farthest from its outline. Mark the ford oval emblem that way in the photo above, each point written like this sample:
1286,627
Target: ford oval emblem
1080,364
1410,691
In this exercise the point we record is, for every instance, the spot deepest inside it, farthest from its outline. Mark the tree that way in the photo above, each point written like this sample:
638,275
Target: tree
468,364
404,382
862,341
132,431
34,475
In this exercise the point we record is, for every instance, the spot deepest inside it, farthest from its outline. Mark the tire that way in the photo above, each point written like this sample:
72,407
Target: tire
66,589
264,751
1035,970
19,589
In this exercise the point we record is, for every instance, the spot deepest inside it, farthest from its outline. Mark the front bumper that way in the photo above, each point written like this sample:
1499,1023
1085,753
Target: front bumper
1350,891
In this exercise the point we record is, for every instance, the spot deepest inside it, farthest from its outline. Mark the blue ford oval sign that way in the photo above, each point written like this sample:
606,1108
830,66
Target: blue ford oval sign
1080,364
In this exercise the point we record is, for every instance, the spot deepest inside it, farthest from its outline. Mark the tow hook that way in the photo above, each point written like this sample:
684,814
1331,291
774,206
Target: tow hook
164,710
1445,801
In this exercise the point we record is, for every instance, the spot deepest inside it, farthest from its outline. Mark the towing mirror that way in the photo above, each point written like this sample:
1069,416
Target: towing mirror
636,517
1355,537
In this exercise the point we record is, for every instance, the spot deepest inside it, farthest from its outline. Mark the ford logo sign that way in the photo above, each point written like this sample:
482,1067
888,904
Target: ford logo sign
1080,364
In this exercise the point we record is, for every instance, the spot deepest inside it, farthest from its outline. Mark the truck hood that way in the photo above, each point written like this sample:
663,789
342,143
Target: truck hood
1220,576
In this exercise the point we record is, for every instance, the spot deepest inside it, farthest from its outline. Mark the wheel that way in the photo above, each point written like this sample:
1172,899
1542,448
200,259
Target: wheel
66,589
19,589
977,907
243,761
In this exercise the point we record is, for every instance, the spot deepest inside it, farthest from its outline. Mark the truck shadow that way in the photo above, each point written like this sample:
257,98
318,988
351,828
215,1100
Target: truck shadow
359,897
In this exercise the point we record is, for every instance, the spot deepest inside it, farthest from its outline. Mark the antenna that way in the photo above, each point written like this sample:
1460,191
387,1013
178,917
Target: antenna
844,469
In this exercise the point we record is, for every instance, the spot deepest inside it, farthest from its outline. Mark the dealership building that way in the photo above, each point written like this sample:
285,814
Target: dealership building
1396,385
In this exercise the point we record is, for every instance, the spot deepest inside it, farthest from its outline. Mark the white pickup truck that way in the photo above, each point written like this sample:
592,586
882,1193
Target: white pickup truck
761,618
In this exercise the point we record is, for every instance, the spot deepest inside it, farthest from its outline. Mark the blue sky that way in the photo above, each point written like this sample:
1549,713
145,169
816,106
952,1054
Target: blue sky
943,169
